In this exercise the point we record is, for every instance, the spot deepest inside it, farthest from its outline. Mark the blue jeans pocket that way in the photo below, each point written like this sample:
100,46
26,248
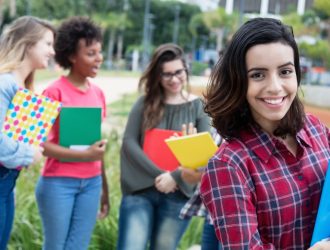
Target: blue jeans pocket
4,173
7,182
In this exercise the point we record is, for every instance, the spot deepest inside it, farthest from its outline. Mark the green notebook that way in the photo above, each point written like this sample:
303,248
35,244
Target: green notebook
80,127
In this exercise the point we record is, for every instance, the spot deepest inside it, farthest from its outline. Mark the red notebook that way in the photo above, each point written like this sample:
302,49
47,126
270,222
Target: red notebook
157,150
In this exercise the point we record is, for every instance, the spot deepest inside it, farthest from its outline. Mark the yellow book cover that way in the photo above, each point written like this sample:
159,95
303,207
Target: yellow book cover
193,151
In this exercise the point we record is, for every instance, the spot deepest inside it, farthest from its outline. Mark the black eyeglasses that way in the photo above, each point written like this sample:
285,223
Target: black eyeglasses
167,76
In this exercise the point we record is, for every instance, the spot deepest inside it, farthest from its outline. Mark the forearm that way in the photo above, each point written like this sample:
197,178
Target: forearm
58,152
105,186
14,154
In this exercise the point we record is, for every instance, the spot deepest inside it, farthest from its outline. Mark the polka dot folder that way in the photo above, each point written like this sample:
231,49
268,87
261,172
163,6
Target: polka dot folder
30,117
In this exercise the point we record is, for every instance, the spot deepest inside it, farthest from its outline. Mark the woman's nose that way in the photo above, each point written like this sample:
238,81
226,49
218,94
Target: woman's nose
275,83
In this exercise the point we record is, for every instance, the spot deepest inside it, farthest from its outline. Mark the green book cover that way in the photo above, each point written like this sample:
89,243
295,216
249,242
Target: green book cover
79,127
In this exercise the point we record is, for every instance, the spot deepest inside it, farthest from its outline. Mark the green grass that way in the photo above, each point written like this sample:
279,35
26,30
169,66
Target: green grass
119,73
27,232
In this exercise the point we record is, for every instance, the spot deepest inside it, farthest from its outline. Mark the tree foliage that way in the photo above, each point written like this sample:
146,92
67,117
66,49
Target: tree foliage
220,24
119,18
320,52
303,25
123,21
323,7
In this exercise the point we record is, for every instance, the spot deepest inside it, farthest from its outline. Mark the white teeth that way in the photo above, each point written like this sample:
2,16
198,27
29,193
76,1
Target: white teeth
274,101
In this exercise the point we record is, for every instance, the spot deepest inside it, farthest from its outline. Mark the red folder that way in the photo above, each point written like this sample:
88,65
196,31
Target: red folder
157,150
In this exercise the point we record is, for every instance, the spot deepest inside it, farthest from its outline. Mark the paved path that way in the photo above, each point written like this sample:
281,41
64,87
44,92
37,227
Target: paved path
115,87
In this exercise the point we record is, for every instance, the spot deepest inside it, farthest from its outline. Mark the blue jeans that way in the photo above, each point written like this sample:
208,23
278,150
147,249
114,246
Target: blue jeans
7,207
68,208
209,238
151,216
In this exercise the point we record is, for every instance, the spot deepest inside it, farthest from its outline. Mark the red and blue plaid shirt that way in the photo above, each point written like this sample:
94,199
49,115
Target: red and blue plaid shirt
260,196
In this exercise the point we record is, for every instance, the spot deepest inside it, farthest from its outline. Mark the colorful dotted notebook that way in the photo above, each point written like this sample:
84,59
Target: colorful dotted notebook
30,117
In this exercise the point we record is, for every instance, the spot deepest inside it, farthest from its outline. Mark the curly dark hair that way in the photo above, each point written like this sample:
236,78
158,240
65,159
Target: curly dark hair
226,92
68,35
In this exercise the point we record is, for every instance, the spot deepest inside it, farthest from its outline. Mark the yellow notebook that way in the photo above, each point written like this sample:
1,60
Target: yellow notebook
193,151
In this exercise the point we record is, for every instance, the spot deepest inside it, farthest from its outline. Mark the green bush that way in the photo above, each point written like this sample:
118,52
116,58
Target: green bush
198,68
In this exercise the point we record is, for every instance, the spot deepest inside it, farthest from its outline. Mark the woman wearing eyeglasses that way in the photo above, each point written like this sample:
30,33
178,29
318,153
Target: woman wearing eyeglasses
152,198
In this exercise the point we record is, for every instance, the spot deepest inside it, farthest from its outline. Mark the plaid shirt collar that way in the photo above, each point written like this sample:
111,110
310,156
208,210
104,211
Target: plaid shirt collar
263,145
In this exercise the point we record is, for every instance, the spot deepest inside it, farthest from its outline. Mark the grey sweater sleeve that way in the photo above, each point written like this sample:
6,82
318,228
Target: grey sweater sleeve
132,151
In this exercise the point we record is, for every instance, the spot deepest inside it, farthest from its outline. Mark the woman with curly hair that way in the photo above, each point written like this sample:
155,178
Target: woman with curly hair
68,193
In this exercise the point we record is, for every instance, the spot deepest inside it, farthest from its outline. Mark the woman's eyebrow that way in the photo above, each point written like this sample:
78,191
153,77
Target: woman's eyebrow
252,69
265,69
286,64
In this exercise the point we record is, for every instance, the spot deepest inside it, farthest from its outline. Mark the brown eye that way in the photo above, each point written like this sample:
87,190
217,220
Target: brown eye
286,72
257,76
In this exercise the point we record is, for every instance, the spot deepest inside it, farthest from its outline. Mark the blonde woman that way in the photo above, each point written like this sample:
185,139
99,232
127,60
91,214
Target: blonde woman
25,45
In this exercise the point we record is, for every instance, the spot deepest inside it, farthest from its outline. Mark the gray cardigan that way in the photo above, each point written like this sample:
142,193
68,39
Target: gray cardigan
137,170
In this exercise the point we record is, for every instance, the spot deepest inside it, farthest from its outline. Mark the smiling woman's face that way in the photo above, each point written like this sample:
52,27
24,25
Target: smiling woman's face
88,59
173,77
272,83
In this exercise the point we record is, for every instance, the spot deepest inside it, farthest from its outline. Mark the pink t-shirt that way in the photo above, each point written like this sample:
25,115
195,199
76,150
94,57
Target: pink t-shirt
64,91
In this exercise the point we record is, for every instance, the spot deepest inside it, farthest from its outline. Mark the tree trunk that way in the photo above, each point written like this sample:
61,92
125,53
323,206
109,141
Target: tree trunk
328,30
110,48
12,8
120,42
1,12
219,34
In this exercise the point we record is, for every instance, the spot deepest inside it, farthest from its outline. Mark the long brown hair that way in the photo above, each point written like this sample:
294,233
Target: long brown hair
20,35
226,92
150,83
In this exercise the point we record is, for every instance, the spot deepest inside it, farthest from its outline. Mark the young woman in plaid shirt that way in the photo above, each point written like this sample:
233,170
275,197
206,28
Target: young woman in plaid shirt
263,186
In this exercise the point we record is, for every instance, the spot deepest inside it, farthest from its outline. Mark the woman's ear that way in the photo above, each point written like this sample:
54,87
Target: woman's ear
27,50
72,59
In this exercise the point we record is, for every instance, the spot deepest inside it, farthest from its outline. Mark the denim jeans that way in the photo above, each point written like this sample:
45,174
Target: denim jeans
209,238
68,208
151,216
7,207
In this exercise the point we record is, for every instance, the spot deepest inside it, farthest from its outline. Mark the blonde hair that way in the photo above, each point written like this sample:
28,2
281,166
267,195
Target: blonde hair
17,37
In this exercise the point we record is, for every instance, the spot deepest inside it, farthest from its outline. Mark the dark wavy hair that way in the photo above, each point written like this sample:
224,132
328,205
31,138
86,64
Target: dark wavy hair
227,89
150,83
68,35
